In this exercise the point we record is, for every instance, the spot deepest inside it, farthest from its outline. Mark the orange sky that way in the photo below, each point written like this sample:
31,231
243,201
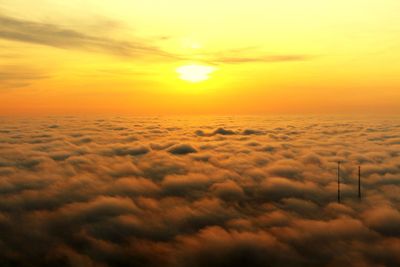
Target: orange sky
289,56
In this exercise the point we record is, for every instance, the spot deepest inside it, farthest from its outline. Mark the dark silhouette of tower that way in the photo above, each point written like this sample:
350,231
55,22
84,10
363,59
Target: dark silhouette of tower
359,182
338,182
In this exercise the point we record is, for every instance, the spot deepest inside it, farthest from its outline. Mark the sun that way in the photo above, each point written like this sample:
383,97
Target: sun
195,73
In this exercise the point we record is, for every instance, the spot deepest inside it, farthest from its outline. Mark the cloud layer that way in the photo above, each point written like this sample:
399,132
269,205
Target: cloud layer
221,191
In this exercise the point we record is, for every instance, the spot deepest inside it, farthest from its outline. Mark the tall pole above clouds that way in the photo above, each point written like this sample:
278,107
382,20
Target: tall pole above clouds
338,182
359,182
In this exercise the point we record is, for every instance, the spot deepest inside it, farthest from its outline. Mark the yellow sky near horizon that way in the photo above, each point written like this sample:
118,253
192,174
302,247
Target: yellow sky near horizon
289,56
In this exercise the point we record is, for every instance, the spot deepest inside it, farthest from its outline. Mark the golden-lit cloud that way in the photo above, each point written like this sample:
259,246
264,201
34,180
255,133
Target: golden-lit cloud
17,76
195,73
103,164
56,36
261,59
198,191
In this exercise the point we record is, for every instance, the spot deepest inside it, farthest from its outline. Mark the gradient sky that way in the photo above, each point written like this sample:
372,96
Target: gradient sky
288,56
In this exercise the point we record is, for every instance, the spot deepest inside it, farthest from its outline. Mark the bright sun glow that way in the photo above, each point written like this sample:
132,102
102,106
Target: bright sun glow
195,73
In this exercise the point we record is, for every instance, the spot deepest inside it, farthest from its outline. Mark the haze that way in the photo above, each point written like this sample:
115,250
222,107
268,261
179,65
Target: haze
210,133
120,57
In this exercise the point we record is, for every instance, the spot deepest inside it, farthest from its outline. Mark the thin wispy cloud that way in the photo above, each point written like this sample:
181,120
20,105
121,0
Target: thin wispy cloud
251,55
261,59
255,54
12,76
53,35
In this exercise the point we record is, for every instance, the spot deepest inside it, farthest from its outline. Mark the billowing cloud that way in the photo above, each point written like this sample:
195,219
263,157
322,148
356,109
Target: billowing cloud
154,192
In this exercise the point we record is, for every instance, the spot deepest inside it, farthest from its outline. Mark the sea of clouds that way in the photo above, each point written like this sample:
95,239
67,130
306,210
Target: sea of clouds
199,191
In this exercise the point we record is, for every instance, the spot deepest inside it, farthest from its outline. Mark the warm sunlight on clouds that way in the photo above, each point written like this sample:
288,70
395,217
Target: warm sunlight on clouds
195,73
198,191
272,56
200,133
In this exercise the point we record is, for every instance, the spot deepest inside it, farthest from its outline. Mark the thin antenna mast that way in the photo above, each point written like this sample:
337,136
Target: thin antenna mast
338,182
359,182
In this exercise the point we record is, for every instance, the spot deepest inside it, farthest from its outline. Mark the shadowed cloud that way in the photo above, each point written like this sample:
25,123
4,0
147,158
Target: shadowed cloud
182,149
